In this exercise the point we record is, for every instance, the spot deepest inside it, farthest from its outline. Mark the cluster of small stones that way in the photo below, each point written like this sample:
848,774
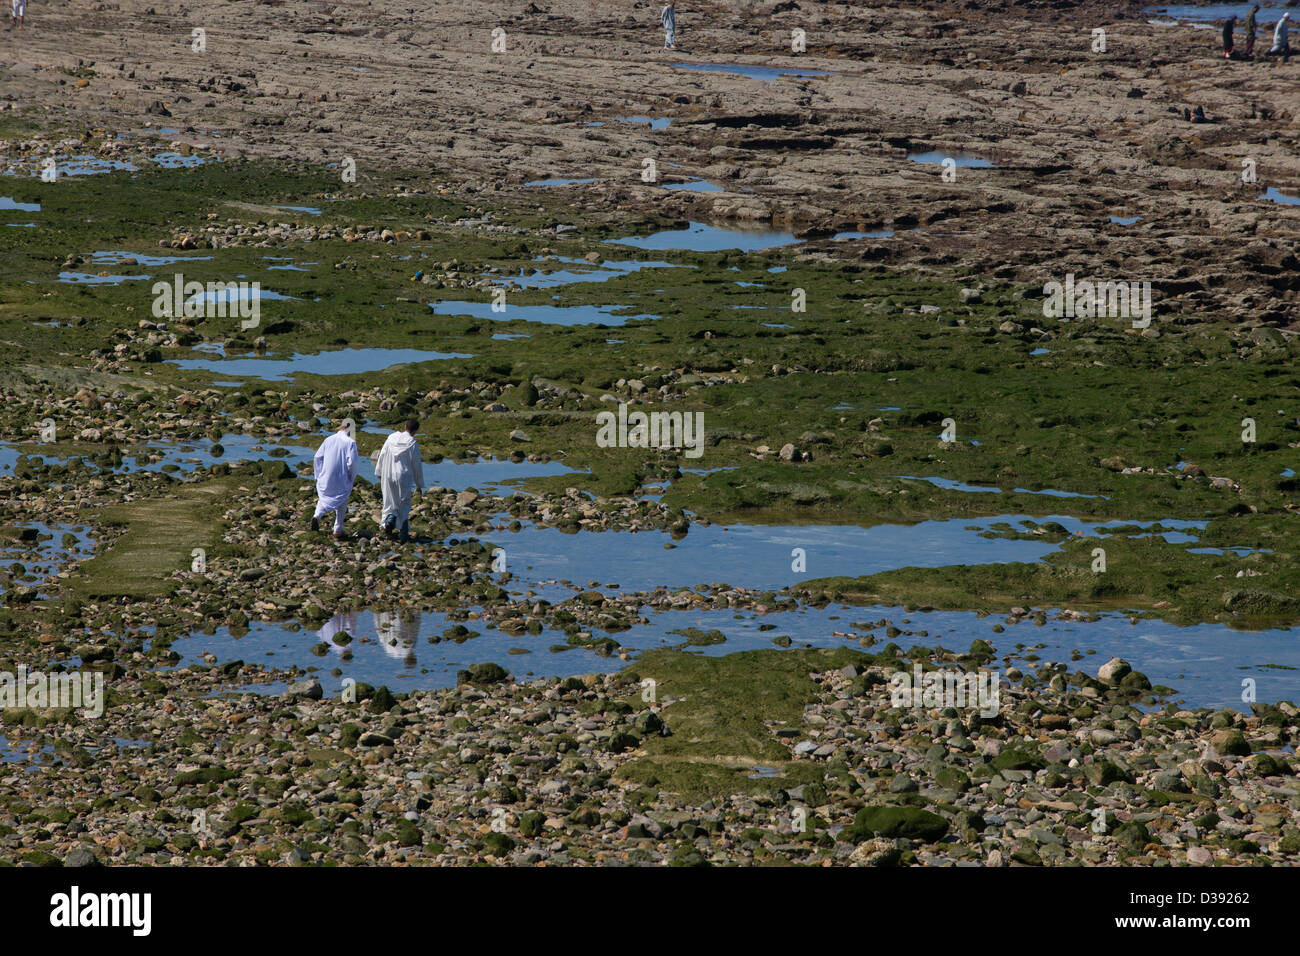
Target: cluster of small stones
25,157
139,415
1069,771
115,419
442,777
265,234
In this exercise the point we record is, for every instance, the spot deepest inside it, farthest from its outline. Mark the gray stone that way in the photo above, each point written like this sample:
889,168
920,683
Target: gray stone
309,688
1114,670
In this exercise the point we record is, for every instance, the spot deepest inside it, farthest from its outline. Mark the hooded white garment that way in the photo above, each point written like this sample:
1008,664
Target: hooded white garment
400,472
336,471
1280,31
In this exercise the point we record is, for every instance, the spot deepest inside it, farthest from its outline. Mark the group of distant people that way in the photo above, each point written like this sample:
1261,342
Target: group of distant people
398,470
1281,41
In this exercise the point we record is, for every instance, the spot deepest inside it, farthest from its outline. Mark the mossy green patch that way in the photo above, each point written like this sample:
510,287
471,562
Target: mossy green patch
1141,573
912,823
723,718
160,538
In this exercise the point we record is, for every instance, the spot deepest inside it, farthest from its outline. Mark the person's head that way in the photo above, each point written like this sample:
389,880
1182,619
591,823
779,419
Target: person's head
412,426
1286,16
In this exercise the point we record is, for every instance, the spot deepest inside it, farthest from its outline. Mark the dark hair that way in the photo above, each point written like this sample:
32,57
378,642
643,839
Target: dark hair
412,424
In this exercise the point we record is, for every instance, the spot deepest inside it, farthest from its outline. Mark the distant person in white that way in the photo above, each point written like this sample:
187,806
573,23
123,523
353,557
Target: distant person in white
400,475
17,9
1281,42
336,471
668,16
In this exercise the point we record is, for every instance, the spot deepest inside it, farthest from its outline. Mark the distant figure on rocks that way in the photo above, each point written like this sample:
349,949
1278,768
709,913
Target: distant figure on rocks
401,474
336,471
17,10
1227,36
1281,42
1250,30
667,16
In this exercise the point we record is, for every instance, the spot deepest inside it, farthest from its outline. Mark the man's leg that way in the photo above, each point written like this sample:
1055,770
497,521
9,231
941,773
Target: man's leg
404,518
388,516
340,513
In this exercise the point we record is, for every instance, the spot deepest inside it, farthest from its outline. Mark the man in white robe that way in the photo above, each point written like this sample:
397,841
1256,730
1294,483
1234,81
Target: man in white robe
336,470
400,474
1281,41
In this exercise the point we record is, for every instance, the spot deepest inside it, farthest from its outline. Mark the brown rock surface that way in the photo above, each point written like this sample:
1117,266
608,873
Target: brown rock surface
1077,136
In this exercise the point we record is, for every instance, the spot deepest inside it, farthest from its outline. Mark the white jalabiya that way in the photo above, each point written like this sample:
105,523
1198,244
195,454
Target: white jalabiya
336,471
400,473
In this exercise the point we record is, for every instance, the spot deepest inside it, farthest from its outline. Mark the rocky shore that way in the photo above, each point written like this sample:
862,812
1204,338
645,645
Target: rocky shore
1068,771
880,357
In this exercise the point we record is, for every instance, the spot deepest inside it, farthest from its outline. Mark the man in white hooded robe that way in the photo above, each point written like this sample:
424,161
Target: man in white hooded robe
336,471
1281,40
400,474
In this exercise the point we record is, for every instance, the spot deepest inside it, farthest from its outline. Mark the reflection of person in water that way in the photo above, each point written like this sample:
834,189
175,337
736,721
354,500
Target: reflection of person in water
397,634
345,621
